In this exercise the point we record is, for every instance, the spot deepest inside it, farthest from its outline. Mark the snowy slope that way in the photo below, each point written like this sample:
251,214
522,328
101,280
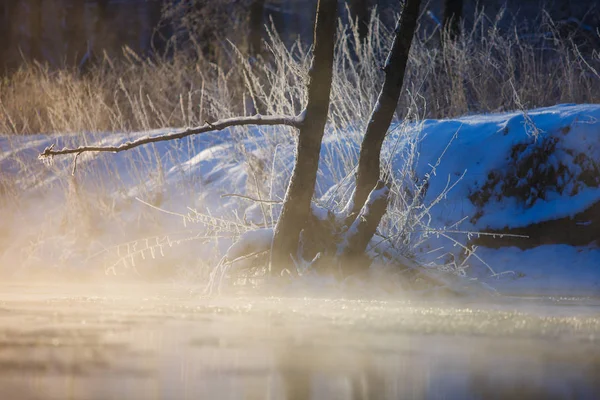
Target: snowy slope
506,171
484,143
508,180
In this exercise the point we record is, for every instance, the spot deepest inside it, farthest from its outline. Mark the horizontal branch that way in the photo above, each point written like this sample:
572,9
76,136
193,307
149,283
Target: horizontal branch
251,198
257,120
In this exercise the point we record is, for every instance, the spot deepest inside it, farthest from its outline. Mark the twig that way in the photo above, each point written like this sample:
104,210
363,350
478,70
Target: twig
252,198
75,164
160,209
245,257
295,122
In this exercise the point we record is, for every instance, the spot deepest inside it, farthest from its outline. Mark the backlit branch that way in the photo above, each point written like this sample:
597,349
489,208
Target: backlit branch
257,120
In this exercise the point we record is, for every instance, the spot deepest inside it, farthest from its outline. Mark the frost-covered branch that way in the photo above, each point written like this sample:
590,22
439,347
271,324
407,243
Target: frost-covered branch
257,120
241,196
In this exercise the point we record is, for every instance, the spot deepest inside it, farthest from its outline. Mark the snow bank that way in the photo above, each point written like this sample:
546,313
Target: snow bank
504,177
483,144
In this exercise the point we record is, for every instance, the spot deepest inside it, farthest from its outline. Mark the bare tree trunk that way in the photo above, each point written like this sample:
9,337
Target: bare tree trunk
352,256
161,28
74,31
98,38
297,216
36,29
256,26
381,117
100,25
296,207
452,18
7,8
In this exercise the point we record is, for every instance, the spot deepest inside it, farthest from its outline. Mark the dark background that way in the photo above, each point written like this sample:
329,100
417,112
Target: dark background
72,32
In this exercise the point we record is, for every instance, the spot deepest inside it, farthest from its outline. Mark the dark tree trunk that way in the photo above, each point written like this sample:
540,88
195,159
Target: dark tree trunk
74,31
100,24
98,40
36,29
161,29
381,117
352,256
296,207
359,10
256,26
7,8
452,17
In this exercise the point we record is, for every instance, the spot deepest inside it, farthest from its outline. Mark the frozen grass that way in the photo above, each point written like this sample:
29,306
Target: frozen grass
487,70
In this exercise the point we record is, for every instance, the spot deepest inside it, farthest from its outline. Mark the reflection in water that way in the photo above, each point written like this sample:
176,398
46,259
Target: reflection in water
311,374
168,347
546,377
436,368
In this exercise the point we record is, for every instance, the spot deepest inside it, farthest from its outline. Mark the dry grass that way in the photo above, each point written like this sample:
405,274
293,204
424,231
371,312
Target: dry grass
128,95
487,70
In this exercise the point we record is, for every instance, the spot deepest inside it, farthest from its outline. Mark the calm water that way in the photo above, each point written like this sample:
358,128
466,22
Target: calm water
125,342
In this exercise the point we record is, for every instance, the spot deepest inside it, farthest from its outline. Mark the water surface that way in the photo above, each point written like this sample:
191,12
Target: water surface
160,342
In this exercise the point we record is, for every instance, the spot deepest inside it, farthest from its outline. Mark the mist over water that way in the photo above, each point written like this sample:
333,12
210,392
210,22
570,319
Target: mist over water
159,341
204,209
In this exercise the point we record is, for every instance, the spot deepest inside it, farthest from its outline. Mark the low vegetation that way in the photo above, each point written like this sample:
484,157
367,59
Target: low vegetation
485,70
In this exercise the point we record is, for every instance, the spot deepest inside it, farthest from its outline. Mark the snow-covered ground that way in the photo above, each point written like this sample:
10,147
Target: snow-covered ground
496,173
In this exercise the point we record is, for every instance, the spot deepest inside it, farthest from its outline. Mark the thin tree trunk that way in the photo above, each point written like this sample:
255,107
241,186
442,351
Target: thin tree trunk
256,26
36,29
161,28
74,31
381,117
6,15
296,207
352,257
100,26
452,18
98,40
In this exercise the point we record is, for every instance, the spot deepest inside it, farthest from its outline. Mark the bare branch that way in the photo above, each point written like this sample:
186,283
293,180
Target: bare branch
75,164
258,120
251,198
